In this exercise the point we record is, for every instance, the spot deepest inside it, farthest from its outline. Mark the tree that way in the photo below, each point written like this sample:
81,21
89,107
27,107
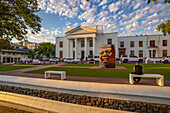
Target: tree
45,49
164,27
16,16
4,44
166,1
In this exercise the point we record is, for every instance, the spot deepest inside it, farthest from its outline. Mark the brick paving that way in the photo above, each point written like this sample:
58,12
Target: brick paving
76,78
8,109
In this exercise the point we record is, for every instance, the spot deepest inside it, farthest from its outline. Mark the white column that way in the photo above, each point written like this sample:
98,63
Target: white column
94,45
151,53
85,47
75,48
68,48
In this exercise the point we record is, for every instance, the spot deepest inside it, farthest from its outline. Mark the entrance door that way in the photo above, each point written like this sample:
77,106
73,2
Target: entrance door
149,53
122,51
82,54
73,54
164,53
61,54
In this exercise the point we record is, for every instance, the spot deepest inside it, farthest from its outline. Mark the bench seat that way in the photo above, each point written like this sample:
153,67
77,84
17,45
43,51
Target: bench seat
63,74
159,78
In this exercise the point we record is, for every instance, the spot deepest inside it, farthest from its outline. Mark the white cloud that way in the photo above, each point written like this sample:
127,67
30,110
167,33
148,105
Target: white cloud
103,2
137,5
113,7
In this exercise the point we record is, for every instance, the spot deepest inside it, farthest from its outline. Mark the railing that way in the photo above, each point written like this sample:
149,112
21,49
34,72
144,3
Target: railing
153,47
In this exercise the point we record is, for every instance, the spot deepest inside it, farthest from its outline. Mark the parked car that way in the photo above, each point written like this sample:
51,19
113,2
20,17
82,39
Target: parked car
54,60
130,58
153,59
36,61
93,58
62,59
45,59
24,60
166,59
70,60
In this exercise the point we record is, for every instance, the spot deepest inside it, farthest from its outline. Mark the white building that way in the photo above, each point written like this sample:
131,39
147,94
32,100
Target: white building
83,41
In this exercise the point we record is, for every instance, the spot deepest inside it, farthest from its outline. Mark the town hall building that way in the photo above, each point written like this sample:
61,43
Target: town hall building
79,42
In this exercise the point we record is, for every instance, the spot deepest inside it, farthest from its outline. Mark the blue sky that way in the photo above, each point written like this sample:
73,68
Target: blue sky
127,17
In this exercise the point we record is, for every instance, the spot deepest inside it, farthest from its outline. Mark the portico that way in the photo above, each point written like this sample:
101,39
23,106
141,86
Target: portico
77,42
80,47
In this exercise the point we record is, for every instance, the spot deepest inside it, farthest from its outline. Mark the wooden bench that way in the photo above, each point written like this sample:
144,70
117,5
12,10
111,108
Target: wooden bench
159,78
63,74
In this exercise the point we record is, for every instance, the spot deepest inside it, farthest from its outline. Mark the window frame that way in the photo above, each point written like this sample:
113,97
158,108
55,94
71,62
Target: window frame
109,41
132,44
122,42
61,44
140,43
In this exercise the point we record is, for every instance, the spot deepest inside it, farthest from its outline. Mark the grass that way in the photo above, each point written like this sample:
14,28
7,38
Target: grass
10,68
42,64
84,65
163,69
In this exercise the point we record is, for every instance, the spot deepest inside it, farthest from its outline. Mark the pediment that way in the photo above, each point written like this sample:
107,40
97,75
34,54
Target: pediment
80,30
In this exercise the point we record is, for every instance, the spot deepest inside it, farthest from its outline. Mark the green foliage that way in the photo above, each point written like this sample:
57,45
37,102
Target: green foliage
46,49
164,27
4,44
16,16
166,1
31,54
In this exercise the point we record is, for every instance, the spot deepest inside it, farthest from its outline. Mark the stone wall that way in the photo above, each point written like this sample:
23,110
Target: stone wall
134,106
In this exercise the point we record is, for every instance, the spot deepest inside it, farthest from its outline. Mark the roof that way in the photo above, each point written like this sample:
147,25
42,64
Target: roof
80,27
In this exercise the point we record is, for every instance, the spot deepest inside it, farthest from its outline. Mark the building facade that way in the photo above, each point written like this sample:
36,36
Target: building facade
29,45
80,42
14,54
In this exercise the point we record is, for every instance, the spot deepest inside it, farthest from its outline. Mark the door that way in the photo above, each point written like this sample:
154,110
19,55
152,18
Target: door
61,54
164,53
82,54
122,51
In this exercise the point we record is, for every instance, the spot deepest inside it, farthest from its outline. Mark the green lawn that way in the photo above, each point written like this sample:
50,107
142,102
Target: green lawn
163,69
42,64
85,65
9,68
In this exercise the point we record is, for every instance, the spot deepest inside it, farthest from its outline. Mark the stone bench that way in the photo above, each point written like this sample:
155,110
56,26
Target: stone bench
7,64
159,78
63,74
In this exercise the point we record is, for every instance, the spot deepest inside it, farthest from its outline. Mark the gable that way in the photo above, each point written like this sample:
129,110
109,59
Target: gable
80,30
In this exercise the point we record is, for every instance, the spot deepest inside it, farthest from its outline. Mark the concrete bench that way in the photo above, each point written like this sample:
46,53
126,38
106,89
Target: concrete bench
7,64
159,78
63,74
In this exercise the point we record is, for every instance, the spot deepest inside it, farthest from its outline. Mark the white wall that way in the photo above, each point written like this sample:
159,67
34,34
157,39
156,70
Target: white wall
146,43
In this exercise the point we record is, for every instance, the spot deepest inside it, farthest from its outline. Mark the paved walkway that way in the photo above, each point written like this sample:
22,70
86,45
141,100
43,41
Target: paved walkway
76,78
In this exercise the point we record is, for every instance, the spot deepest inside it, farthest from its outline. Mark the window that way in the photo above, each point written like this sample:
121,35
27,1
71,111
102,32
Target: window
140,53
140,43
109,41
164,42
121,44
73,44
152,43
90,52
131,43
132,52
91,43
61,44
164,53
82,43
